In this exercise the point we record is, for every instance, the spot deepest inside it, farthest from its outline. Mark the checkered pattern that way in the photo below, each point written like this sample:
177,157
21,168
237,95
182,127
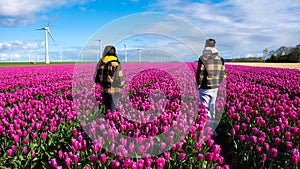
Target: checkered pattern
110,77
210,72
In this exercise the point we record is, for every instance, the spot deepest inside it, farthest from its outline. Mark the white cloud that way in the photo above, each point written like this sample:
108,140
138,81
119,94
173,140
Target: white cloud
7,57
17,45
242,27
21,12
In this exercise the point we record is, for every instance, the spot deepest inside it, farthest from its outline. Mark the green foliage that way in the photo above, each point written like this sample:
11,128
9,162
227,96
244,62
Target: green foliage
292,57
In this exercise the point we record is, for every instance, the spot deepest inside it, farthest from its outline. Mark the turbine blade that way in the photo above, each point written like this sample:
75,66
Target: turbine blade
51,35
48,23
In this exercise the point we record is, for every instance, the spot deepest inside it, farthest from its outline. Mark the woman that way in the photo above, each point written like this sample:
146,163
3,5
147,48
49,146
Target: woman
109,76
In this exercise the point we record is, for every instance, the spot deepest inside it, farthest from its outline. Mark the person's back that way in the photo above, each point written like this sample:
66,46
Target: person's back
210,71
109,75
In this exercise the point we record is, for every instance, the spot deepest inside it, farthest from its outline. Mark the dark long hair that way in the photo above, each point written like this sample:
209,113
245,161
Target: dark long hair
109,51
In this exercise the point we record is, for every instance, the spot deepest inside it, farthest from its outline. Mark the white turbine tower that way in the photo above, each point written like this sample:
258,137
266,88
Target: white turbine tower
61,55
125,54
47,31
101,49
140,59
29,55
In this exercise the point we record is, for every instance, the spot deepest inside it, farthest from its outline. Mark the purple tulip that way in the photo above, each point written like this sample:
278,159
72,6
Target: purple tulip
217,149
209,142
266,146
167,155
287,136
274,152
25,150
254,130
209,156
75,158
33,135
93,158
199,156
197,146
277,141
16,138
10,152
220,160
258,149
253,139
288,145
60,154
162,145
13,147
103,158
115,164
181,156
53,162
160,162
178,146
68,161
43,136
32,154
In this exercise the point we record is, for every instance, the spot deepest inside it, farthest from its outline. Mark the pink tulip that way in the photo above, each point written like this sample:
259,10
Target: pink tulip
68,161
209,156
16,138
220,160
160,162
254,130
274,152
25,150
253,139
199,156
197,146
53,162
103,158
288,145
217,149
209,142
33,135
43,136
10,152
277,141
181,156
60,154
32,154
167,155
115,164
93,158
287,136
75,158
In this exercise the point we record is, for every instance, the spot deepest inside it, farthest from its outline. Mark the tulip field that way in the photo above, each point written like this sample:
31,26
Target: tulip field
51,117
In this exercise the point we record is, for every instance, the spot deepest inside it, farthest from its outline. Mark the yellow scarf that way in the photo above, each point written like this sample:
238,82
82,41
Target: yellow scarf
109,58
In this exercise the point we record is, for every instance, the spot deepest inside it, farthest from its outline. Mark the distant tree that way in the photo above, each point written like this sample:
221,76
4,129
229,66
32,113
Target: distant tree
265,52
285,54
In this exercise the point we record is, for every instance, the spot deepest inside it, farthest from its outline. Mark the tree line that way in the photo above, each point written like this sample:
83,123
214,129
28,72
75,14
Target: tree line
283,54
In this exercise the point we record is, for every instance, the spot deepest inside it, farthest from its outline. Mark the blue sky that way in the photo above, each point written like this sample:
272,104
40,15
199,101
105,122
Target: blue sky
241,28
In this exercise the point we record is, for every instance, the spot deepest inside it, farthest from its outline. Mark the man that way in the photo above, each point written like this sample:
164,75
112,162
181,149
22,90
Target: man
109,75
210,74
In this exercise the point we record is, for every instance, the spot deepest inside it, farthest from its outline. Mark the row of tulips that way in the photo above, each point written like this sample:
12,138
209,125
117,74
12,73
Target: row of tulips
49,118
263,121
286,80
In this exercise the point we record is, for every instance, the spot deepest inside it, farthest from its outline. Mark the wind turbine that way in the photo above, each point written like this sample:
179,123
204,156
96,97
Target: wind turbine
61,55
29,55
47,31
101,49
139,50
125,54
